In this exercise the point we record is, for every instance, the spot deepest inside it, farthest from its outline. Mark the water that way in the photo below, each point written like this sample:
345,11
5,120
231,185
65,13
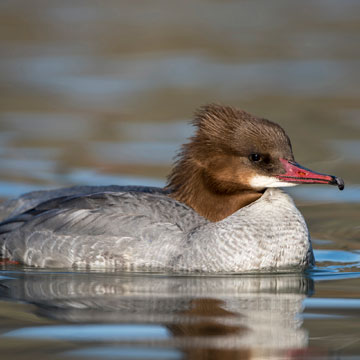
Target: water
156,316
101,93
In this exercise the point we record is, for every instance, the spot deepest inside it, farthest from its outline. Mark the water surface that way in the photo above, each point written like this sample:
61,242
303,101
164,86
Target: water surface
102,92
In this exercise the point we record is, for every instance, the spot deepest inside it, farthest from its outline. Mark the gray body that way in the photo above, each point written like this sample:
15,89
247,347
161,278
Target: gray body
146,230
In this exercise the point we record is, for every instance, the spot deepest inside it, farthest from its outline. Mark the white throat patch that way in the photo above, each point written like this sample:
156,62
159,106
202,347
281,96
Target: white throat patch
259,182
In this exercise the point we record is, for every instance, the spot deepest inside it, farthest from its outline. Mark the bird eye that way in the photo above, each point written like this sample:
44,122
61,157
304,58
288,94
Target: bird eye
255,157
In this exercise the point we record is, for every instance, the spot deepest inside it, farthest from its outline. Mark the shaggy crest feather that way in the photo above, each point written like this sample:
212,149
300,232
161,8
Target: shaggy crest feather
220,132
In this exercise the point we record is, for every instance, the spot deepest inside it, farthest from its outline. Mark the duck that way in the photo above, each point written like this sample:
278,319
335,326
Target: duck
221,211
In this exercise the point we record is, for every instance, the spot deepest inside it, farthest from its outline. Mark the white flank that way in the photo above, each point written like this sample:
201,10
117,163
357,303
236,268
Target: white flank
262,182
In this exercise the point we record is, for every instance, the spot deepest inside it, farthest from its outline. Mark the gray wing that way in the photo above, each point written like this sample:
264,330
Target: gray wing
156,207
88,238
119,230
30,200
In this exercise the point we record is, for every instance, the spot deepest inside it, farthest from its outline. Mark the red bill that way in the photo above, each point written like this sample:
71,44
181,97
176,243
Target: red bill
296,173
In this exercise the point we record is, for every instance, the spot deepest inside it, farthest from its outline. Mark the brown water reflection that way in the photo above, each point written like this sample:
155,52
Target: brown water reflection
100,92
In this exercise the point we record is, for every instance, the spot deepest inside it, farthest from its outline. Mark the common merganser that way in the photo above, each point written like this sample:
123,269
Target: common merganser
220,212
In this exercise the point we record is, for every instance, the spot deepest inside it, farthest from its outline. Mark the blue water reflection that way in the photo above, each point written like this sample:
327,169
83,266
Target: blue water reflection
325,303
155,71
91,332
338,256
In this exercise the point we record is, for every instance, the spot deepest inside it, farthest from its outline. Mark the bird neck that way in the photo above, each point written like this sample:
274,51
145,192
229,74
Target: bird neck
187,184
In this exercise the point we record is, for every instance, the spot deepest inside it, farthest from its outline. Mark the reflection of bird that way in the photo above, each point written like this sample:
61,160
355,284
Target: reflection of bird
226,174
207,317
208,312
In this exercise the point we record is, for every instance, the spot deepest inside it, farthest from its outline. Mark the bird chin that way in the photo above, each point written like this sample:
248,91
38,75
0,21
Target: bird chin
260,182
